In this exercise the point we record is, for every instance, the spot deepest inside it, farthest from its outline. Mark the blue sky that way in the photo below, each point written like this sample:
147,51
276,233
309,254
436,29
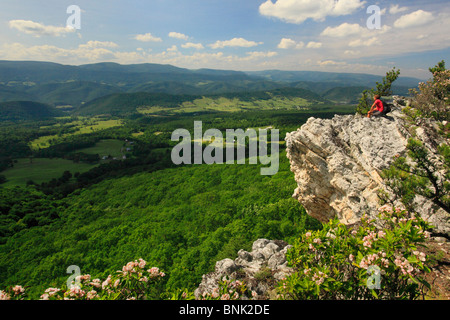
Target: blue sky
320,35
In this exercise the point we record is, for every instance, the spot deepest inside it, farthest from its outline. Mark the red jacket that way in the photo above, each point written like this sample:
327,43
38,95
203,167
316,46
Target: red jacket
379,105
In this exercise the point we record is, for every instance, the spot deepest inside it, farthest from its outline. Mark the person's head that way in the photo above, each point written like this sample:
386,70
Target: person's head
376,97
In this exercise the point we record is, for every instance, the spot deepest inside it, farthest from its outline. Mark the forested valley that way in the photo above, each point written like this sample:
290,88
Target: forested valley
87,187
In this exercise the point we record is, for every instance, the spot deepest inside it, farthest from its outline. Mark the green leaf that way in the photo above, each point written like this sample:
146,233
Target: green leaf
374,294
414,279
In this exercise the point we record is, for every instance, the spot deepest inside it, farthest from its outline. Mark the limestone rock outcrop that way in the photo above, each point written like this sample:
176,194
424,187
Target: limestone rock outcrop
337,164
260,269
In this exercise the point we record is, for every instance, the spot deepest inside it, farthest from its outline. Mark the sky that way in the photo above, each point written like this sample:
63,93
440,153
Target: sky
355,36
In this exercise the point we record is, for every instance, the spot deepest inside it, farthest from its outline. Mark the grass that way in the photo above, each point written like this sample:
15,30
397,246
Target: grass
42,142
231,105
100,125
109,147
82,126
41,170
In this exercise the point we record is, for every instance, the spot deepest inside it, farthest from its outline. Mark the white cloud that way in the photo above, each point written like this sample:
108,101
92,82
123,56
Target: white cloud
351,52
188,45
260,54
297,11
178,35
99,44
417,18
330,63
363,43
235,42
172,49
394,9
300,45
314,45
37,29
287,43
147,37
347,29
343,30
91,51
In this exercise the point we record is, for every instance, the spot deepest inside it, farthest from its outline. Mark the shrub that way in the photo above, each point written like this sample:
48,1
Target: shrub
378,260
432,98
230,290
423,171
382,89
13,293
133,282
420,174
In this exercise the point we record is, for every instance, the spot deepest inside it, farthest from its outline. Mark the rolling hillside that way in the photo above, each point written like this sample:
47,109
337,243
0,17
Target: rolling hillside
71,93
344,94
26,110
128,103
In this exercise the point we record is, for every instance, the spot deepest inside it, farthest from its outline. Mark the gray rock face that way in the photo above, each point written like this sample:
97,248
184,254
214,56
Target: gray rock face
337,164
266,255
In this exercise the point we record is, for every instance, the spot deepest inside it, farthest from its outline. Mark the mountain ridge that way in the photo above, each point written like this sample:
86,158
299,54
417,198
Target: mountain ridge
26,110
75,85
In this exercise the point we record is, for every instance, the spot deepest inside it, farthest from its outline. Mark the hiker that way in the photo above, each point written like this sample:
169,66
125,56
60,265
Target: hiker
377,108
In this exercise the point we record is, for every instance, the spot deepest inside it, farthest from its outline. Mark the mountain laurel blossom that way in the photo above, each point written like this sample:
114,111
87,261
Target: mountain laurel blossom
338,261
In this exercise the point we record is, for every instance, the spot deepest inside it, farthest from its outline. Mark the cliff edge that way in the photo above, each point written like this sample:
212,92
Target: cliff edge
337,165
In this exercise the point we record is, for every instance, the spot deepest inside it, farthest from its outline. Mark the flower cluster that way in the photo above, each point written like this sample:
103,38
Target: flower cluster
134,266
50,293
131,282
13,293
374,259
74,293
319,277
337,262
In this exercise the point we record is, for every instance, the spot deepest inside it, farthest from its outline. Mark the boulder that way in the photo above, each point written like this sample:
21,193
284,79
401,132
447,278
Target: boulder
268,256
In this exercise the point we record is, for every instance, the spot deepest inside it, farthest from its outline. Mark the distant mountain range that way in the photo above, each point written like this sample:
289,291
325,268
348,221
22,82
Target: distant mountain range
56,84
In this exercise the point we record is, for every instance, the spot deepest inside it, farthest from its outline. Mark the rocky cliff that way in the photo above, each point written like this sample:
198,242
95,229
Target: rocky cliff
337,164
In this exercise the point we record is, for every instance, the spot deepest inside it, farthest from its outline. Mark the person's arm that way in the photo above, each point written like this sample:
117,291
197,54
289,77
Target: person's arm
372,108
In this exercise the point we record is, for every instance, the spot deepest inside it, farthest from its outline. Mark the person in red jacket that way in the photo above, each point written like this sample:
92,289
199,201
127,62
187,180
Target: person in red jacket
377,108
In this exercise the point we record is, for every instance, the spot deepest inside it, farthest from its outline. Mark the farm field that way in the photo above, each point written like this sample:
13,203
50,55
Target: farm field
108,147
41,170
223,104
81,126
